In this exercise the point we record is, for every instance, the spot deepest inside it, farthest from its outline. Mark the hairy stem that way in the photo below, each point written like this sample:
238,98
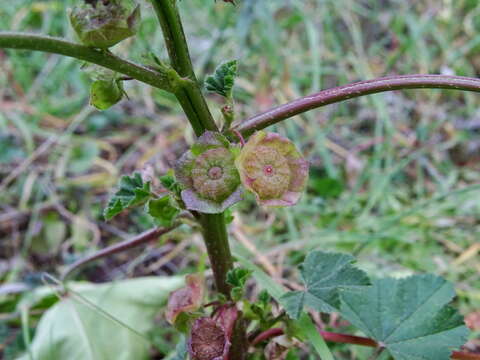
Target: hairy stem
216,239
195,106
341,93
193,102
143,238
104,58
188,94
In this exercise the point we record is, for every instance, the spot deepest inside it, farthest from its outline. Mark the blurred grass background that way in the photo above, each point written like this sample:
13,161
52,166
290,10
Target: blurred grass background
395,176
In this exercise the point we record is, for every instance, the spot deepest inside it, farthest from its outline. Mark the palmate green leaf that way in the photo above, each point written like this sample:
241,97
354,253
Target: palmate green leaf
324,276
162,211
133,191
408,316
79,329
305,326
222,81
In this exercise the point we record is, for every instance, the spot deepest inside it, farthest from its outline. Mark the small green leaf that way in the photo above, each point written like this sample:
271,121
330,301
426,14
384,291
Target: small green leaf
264,297
132,192
162,211
324,275
168,180
410,316
237,278
229,217
223,80
171,184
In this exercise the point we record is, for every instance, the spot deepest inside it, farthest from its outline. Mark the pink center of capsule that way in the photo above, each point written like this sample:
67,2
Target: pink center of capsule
215,173
268,170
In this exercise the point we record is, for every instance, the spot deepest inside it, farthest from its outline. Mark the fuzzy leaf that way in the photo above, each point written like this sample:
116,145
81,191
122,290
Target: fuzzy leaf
78,327
238,277
162,211
324,275
410,316
223,80
168,181
132,192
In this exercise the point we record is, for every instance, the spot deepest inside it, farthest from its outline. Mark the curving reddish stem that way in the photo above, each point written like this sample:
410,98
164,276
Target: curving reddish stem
350,339
350,91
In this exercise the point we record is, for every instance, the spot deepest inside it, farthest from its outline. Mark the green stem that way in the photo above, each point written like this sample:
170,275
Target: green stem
104,58
189,93
216,239
174,35
193,102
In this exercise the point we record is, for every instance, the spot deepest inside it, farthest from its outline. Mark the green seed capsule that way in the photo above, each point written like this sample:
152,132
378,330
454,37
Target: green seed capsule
104,93
104,23
208,175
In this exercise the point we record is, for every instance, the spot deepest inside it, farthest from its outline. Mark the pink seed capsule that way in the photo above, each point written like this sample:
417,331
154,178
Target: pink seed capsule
273,169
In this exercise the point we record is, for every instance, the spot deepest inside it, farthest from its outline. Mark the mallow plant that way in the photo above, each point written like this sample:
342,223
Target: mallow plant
406,319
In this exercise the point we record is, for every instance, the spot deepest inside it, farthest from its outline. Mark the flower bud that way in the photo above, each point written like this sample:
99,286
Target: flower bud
105,93
106,89
104,23
208,175
273,169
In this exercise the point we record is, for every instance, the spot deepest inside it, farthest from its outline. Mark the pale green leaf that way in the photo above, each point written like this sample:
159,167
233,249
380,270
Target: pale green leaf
410,316
102,322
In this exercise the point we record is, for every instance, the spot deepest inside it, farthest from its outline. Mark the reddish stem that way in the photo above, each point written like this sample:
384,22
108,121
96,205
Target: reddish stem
348,339
240,137
351,339
345,92
267,334
461,355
